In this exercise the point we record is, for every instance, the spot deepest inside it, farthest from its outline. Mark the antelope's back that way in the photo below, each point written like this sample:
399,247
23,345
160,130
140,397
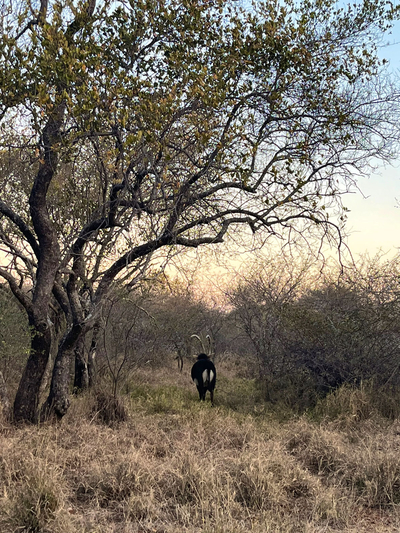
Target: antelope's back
204,371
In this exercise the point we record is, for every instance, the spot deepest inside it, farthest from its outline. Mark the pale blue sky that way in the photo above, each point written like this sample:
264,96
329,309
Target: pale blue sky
374,221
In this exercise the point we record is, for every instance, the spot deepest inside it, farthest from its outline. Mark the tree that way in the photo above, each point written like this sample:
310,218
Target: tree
186,324
129,128
126,338
347,329
313,329
262,303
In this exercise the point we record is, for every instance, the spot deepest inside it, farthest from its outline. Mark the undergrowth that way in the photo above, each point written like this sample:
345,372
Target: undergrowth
165,462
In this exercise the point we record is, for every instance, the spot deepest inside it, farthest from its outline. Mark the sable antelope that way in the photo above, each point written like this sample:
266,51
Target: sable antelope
204,374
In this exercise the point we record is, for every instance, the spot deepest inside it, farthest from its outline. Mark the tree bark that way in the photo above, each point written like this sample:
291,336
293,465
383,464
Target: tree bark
28,394
81,379
58,401
92,371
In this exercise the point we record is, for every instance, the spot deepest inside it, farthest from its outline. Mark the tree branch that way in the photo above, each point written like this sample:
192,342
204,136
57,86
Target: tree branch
22,226
19,293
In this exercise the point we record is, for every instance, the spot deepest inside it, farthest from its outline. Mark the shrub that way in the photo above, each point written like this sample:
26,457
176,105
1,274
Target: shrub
109,409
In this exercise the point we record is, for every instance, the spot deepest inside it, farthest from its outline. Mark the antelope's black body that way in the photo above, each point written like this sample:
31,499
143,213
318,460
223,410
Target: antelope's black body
204,376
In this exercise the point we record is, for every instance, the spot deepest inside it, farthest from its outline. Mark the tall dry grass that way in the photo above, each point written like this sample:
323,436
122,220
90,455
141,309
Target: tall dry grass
175,465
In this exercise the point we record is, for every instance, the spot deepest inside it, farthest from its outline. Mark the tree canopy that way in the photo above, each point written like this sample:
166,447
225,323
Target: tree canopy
134,126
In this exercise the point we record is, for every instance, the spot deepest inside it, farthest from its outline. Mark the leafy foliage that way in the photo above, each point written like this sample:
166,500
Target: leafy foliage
134,129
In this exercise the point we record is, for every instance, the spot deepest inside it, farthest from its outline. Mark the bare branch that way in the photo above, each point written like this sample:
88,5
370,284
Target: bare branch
21,225
19,293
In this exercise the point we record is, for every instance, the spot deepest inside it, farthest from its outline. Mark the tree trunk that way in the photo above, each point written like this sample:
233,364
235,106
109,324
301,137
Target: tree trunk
56,331
58,401
28,394
81,380
92,356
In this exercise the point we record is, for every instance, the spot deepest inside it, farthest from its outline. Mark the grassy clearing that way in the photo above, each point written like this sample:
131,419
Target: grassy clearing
175,465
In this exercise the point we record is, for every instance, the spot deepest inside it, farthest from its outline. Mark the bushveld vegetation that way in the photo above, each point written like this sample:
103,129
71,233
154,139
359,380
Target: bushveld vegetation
171,463
140,453
131,131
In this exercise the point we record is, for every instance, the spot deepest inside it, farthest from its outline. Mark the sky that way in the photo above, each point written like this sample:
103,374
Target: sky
374,218
373,223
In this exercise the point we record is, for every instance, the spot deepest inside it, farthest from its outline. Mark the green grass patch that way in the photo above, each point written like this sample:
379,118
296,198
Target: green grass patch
162,399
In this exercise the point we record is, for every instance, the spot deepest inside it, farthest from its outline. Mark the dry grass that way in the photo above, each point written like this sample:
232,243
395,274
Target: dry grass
175,465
